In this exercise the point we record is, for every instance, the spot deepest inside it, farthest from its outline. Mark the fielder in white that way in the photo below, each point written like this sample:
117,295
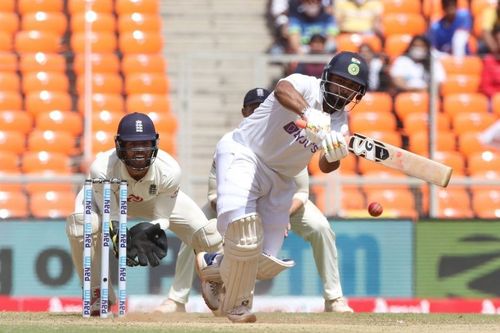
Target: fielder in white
256,166
153,194
306,220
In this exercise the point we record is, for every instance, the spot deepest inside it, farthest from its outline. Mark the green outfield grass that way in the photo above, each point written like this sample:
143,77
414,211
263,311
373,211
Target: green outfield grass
267,322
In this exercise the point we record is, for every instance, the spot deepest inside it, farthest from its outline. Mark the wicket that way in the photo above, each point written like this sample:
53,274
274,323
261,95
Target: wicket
105,242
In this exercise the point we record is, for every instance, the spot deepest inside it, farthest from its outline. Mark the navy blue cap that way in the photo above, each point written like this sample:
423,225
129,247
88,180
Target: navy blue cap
256,95
349,65
136,127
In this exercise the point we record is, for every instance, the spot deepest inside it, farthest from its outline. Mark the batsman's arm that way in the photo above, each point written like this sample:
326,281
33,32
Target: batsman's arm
290,98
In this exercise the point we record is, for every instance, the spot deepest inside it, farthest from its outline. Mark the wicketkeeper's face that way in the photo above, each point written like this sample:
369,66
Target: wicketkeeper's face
138,153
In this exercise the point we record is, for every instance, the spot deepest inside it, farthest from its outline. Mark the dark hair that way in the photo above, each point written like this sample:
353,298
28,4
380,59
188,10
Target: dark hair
427,61
446,3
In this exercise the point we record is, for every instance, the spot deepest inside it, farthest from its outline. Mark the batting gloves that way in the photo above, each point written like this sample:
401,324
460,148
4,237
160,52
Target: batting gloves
334,146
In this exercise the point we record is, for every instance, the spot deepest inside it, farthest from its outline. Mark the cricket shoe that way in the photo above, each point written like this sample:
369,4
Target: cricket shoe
338,305
170,306
241,314
211,283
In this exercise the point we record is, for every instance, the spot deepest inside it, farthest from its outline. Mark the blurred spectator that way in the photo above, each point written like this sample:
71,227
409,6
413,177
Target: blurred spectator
316,46
490,19
359,16
411,70
451,33
490,78
278,23
309,17
378,75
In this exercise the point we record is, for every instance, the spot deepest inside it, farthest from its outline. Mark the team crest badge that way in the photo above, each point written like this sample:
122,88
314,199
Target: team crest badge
353,69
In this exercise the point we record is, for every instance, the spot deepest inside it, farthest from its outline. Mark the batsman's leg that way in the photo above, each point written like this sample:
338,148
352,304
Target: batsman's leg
242,247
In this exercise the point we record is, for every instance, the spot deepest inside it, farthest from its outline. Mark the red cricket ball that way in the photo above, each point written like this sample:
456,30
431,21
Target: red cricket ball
375,209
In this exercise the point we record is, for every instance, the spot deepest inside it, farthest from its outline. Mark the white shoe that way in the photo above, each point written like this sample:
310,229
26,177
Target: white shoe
170,306
241,314
210,290
338,305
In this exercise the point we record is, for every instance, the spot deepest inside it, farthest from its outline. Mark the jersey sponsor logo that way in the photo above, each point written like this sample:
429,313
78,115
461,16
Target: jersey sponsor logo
293,129
134,198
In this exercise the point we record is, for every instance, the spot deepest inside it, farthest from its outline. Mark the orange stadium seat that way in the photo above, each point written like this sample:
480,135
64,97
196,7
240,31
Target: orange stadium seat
372,121
9,163
419,142
390,137
138,21
452,202
103,141
8,5
400,202
483,161
468,143
147,102
313,167
146,83
143,63
30,6
54,22
60,121
468,65
52,204
168,143
375,102
106,121
107,83
404,7
349,165
137,6
10,22
101,42
8,62
495,104
45,162
472,121
51,81
100,62
432,8
419,121
9,81
455,84
164,121
486,203
140,42
99,6
5,42
41,101
37,41
12,141
452,158
395,45
19,120
99,22
44,62
409,102
477,6
51,141
465,102
13,204
352,198
396,24
352,42
100,102
10,100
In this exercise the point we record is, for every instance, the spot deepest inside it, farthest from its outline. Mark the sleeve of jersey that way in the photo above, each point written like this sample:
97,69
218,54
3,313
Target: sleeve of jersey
301,83
165,201
212,184
302,183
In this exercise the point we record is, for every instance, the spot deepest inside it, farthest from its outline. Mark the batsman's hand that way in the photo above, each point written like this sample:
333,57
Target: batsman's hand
148,242
334,146
318,124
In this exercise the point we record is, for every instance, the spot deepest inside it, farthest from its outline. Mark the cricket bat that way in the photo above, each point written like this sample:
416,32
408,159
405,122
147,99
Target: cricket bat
397,158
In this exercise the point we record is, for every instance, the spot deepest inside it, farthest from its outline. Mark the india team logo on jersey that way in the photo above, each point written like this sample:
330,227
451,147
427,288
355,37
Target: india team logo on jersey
293,129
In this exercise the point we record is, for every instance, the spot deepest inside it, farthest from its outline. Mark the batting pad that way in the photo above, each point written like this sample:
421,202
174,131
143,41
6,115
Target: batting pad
242,248
270,266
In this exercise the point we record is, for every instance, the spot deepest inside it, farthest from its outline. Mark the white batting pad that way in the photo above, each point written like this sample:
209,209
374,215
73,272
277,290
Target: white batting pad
270,266
242,248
